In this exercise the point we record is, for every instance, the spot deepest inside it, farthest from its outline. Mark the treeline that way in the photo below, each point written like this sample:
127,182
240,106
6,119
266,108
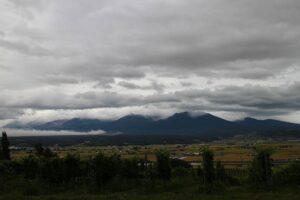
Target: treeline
110,171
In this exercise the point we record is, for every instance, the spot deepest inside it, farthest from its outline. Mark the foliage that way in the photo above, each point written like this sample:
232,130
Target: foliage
289,175
44,152
260,172
175,162
163,165
220,172
45,172
208,166
104,168
130,169
31,167
181,172
5,147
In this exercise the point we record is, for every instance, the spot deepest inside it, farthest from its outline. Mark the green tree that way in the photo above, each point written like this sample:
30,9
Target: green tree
220,172
199,172
130,169
51,170
261,167
40,151
30,167
5,146
105,168
71,167
163,165
288,175
208,166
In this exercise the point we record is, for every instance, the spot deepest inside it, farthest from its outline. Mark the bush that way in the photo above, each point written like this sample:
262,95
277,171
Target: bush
289,175
212,188
130,169
181,172
30,167
260,172
51,170
163,165
31,190
220,172
104,168
208,166
71,168
180,163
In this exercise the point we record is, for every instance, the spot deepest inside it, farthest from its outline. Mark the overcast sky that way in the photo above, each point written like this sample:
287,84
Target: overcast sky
107,58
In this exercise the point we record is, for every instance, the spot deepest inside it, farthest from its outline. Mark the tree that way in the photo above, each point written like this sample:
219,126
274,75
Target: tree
199,172
5,146
261,169
220,172
71,167
208,166
30,167
288,175
44,152
130,168
163,165
177,163
105,168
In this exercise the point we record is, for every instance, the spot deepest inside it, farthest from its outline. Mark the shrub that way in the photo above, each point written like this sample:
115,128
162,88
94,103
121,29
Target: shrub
104,168
130,169
30,167
289,175
181,172
260,172
180,163
163,165
208,166
71,167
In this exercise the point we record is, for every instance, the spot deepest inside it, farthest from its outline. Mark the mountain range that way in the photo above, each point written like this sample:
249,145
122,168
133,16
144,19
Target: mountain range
178,124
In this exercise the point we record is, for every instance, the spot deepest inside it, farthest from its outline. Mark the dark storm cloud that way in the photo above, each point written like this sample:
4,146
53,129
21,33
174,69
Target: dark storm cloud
249,98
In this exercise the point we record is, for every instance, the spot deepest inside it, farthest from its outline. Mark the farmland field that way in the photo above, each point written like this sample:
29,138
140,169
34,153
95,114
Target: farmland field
232,153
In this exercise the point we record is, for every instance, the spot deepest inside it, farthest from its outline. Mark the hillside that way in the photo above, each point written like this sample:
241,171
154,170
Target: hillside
178,124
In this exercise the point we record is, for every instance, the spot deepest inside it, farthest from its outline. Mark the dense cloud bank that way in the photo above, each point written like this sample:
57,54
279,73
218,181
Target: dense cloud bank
104,59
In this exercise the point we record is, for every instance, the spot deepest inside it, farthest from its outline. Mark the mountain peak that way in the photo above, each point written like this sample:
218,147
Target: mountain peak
249,119
182,114
178,123
133,117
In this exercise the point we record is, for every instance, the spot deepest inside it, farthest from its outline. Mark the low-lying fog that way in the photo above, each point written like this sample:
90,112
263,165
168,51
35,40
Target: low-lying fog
21,133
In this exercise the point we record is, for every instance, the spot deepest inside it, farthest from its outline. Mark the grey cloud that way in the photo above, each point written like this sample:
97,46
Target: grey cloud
77,54
21,47
105,82
60,79
10,113
153,86
249,98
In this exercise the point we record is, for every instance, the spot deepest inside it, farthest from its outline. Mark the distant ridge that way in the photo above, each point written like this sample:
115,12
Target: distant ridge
177,124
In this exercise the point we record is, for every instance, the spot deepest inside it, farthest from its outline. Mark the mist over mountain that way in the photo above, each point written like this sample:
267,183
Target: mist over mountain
178,124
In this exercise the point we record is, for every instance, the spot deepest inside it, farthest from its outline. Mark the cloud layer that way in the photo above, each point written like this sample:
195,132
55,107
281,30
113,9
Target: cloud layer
104,59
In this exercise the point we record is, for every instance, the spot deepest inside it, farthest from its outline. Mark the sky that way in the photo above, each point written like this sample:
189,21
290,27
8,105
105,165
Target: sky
104,59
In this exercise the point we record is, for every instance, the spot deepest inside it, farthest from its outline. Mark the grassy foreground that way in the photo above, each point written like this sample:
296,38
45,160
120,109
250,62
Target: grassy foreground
233,193
175,190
